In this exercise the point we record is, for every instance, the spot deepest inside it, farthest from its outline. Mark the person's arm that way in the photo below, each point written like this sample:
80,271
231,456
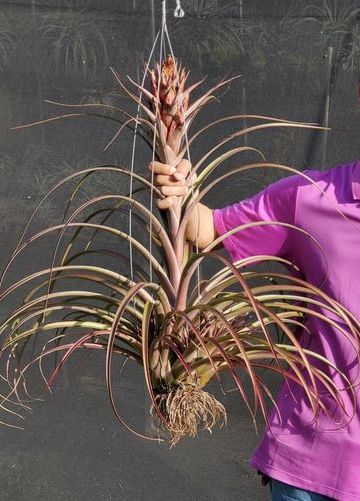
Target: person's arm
201,226
273,207
172,183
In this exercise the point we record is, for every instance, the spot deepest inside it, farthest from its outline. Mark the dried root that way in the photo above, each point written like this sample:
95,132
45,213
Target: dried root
189,408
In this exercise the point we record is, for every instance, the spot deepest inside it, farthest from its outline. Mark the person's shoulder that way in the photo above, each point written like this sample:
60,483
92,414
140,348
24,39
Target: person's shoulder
331,172
334,180
289,184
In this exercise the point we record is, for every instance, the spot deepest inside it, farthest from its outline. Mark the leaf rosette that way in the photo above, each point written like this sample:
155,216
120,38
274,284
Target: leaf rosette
183,333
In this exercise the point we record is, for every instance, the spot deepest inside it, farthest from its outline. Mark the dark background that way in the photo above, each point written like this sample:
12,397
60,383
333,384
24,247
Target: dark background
298,60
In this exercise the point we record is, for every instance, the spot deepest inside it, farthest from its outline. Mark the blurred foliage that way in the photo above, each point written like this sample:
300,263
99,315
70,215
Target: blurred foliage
7,39
75,40
338,25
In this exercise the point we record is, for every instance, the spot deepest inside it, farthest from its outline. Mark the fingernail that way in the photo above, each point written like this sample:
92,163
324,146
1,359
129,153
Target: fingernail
172,169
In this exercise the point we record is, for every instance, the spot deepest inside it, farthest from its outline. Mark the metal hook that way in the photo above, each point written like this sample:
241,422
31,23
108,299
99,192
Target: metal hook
178,12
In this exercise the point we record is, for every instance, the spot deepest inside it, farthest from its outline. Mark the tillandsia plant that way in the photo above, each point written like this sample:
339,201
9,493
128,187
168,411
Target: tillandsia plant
182,332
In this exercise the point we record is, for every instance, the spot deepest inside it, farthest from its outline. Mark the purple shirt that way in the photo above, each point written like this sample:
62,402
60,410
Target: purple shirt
309,456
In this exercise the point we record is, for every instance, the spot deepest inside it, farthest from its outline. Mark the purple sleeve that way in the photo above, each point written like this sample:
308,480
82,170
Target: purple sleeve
276,202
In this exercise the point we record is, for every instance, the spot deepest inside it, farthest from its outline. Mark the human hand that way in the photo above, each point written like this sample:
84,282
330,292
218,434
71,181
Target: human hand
170,181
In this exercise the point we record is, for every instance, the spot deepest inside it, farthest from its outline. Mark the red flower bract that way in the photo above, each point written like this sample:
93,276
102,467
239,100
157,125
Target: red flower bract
170,98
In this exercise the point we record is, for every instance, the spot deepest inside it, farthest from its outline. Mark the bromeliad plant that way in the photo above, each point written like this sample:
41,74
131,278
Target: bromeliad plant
182,333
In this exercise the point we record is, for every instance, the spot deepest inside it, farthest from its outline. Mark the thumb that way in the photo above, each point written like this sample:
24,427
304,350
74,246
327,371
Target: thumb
183,167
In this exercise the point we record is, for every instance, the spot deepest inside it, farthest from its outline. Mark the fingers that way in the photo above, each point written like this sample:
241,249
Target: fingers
165,203
160,168
170,191
162,180
179,176
170,181
184,166
182,170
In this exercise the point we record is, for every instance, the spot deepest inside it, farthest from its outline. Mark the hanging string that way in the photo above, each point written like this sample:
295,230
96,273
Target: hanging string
162,54
162,31
138,113
178,12
198,269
